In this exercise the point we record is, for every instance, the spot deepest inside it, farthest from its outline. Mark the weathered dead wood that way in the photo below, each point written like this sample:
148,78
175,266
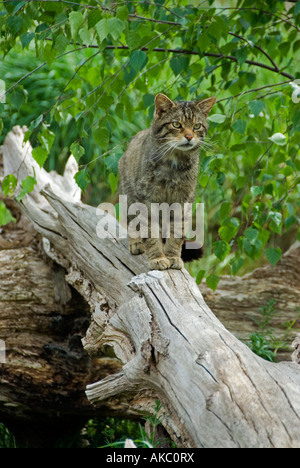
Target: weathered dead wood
215,392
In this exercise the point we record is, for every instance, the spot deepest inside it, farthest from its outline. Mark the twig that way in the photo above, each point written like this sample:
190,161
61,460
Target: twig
256,47
209,54
253,90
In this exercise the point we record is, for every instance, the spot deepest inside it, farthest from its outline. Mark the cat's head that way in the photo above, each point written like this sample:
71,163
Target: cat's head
181,125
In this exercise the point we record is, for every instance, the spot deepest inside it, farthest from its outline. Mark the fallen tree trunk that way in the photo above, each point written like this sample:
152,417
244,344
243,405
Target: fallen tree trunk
214,391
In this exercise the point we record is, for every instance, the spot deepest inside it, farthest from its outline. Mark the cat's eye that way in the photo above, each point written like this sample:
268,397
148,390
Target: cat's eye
176,124
197,126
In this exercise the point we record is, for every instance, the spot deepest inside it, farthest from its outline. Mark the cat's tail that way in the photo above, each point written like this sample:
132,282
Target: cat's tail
191,251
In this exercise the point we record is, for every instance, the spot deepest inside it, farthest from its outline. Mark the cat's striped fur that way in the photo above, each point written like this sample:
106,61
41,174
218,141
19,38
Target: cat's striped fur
161,165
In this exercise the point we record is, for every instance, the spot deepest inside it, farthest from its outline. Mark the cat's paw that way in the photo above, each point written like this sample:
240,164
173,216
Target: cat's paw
160,263
176,263
137,247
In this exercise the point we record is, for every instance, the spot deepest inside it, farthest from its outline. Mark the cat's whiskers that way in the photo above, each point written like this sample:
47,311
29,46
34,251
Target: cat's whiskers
207,145
166,147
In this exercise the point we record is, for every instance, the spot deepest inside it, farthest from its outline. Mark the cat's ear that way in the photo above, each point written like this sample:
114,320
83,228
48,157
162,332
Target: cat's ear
162,104
206,104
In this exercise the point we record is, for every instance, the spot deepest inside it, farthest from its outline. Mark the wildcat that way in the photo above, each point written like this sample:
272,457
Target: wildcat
161,165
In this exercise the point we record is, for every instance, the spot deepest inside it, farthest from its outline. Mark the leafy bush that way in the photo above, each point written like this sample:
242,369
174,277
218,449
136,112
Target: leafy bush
83,76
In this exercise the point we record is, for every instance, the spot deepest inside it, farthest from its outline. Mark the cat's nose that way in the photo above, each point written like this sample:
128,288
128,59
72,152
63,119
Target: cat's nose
189,136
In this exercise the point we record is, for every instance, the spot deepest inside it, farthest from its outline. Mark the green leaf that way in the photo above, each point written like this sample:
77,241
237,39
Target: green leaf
203,181
111,162
236,264
229,230
297,9
212,281
273,255
239,126
224,212
278,139
61,42
221,249
77,151
101,136
218,28
116,27
113,182
102,29
94,17
82,179
26,38
40,154
133,39
85,35
251,234
49,54
217,118
256,107
241,55
5,215
276,221
35,123
27,186
46,138
19,6
220,178
256,190
179,63
15,24
122,12
9,184
138,59
148,100
200,276
76,20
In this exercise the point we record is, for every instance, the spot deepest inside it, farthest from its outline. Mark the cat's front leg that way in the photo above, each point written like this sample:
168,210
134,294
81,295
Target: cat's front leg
173,249
136,246
155,254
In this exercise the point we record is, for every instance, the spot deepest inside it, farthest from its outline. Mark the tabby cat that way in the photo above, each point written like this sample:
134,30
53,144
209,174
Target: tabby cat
161,165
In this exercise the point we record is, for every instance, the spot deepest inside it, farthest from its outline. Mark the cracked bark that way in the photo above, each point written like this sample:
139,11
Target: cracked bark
167,342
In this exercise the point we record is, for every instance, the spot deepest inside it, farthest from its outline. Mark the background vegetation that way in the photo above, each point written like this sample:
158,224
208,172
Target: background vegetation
82,76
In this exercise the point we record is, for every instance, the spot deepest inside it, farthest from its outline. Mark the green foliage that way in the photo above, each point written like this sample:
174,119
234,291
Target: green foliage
27,186
264,343
112,432
7,439
262,347
5,215
83,75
